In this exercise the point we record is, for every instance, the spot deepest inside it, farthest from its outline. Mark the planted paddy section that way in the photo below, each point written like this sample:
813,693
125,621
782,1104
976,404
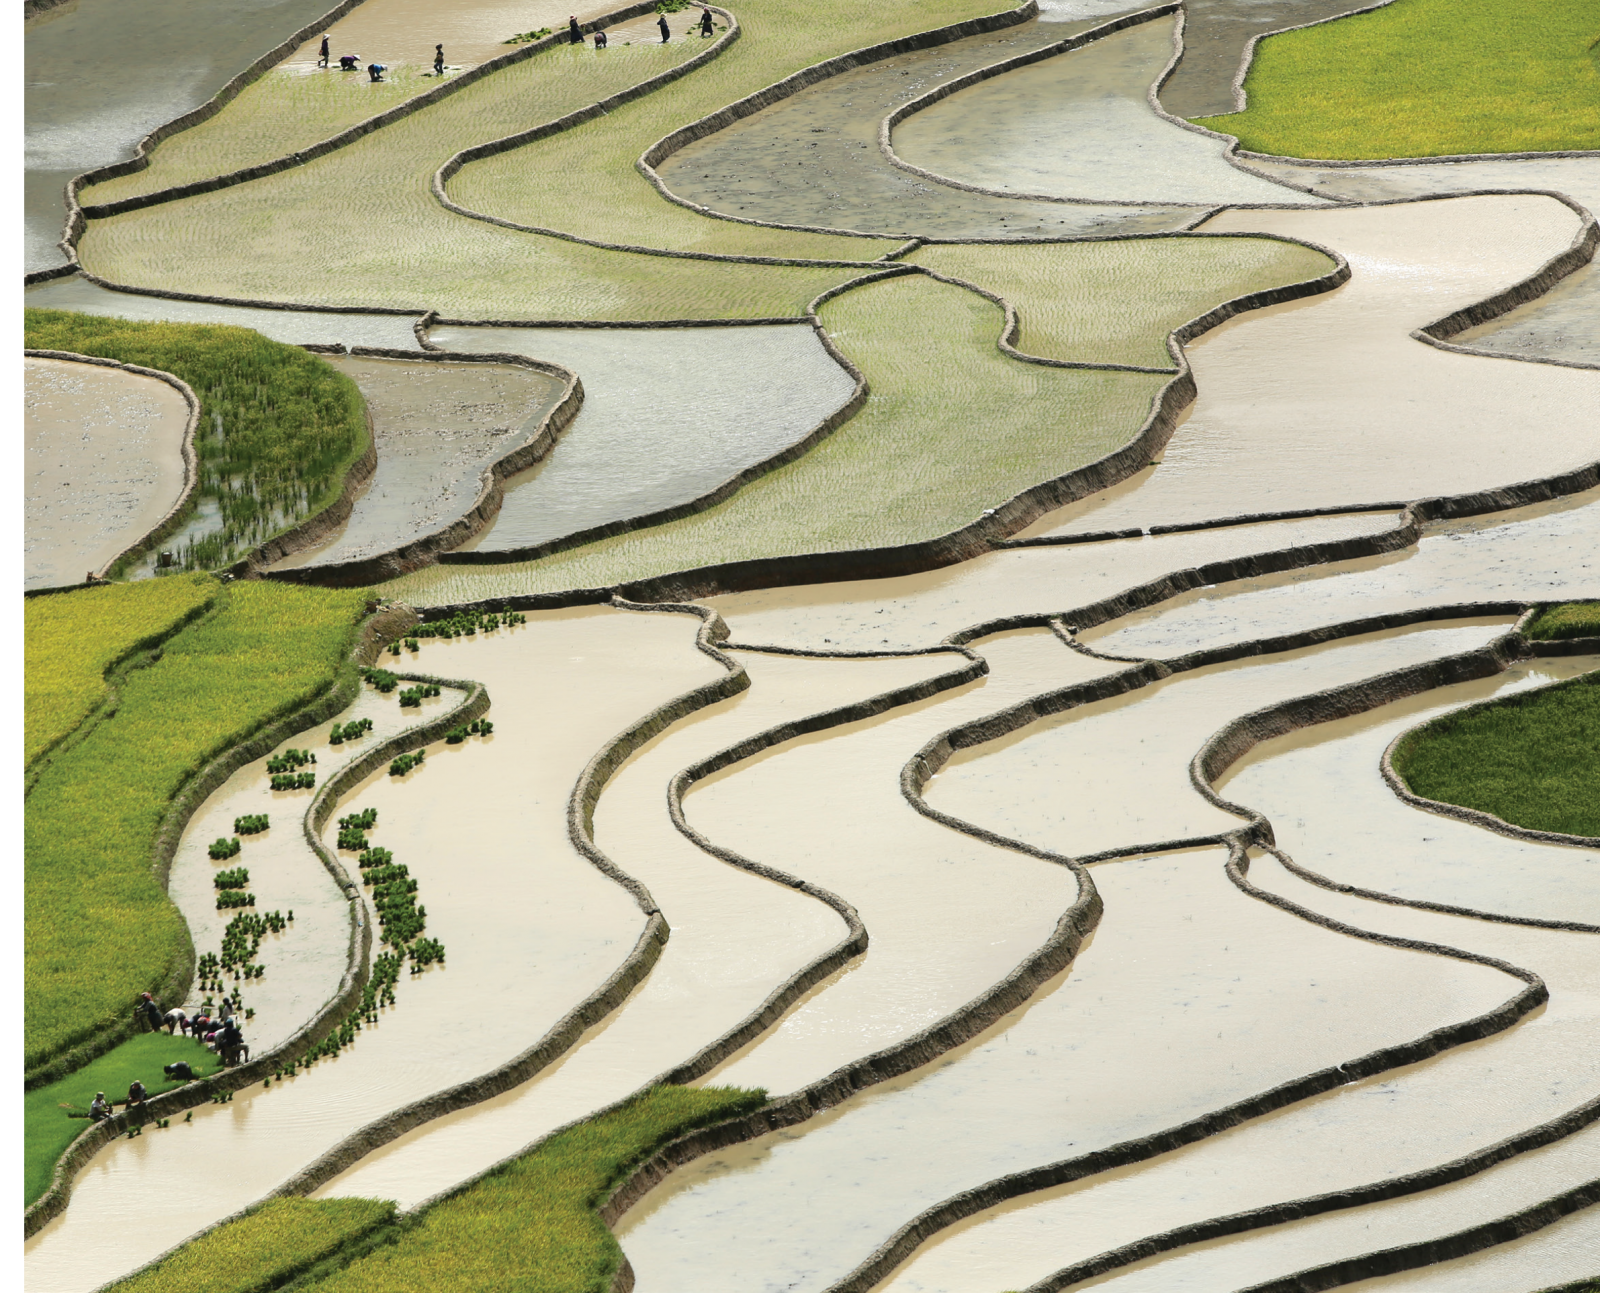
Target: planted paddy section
103,463
438,429
1079,126
1424,422
279,431
668,416
813,158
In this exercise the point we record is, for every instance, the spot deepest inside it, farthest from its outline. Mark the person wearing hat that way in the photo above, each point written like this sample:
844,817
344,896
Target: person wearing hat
99,1107
574,31
150,1011
666,32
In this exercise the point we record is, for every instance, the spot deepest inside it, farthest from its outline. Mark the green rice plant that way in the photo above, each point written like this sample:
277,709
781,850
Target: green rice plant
1426,78
365,820
233,898
223,848
1573,620
71,641
527,37
426,952
289,760
99,927
1531,759
57,1114
381,679
236,878
399,767
263,1249
352,839
279,428
250,824
294,781
375,857
351,731
466,624
531,1225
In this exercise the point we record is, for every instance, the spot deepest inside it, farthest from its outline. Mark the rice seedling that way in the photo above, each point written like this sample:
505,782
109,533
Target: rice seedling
478,727
236,878
289,760
233,898
381,679
354,730
412,697
294,781
399,767
224,848
375,858
99,927
1426,78
1574,620
1529,759
426,952
250,824
279,427
466,624
527,37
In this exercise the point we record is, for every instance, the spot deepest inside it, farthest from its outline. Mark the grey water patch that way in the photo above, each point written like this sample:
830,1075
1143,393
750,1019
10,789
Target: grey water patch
668,415
813,158
293,327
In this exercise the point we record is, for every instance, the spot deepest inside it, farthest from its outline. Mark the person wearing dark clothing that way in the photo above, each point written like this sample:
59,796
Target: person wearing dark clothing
574,30
150,1012
322,54
438,60
705,22
178,1072
136,1093
666,32
347,62
99,1107
376,71
601,40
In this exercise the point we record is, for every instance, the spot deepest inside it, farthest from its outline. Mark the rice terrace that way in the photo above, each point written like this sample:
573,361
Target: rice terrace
892,647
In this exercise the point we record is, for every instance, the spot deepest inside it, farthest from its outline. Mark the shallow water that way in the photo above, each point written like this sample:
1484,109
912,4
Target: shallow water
1321,786
102,464
1052,784
529,925
1547,552
1079,126
668,415
813,158
920,610
1279,424
1189,996
439,427
1407,1120
294,327
101,74
735,936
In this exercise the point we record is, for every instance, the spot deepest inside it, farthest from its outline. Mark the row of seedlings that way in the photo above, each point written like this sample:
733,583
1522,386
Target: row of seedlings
287,772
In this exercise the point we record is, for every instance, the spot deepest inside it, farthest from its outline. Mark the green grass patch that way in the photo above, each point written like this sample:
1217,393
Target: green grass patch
260,1251
99,928
71,640
532,1226
279,428
1427,78
48,1122
1532,760
1574,620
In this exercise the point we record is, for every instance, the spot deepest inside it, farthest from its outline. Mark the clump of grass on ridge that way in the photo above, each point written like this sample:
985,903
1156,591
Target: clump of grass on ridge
1532,760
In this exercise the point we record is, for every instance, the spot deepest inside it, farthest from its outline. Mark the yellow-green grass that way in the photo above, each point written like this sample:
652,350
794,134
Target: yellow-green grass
1115,302
1427,78
279,428
99,926
585,181
1532,760
71,640
531,1226
263,1249
48,1122
1574,620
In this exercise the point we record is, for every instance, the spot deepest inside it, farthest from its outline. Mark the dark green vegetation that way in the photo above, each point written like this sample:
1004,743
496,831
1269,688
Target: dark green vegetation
294,781
354,730
1532,760
233,898
290,759
251,824
466,624
527,37
99,926
412,697
236,878
478,727
48,1122
274,1243
1427,78
399,767
1574,620
223,848
381,679
279,428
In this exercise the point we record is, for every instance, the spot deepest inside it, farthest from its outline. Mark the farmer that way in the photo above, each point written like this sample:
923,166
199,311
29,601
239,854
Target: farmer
376,71
666,32
230,1041
438,60
347,62
705,22
176,1019
179,1071
322,53
99,1107
574,30
149,1013
601,40
136,1093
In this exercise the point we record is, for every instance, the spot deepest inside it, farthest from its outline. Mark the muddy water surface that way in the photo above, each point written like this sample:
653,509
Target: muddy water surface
668,415
102,464
735,936
1189,996
1079,126
530,928
920,610
1279,424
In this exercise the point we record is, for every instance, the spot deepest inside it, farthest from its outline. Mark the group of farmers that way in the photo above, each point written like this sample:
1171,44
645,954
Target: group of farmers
219,1031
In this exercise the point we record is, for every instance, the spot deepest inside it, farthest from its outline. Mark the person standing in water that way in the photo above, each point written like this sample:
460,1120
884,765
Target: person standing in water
575,30
666,32
438,60
322,54
705,22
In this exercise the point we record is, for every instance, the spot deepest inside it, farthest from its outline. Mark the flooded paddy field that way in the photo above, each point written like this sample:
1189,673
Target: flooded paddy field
103,465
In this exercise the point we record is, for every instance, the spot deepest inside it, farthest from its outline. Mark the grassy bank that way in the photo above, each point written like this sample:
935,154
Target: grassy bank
99,927
1573,620
1529,759
66,660
274,1243
279,428
49,1124
1426,78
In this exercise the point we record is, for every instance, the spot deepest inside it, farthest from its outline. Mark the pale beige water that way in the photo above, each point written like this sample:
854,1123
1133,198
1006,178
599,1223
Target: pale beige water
102,464
1191,995
1328,401
530,928
305,962
735,936
1548,552
920,610
1053,784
